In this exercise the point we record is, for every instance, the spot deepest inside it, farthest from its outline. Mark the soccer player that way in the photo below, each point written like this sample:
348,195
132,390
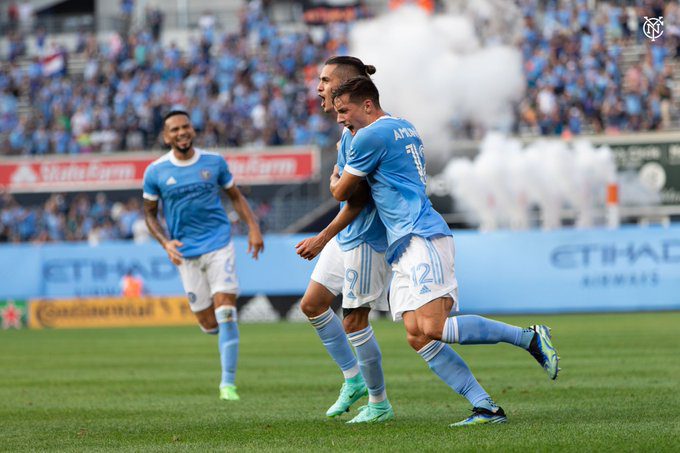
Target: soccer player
388,153
189,181
351,263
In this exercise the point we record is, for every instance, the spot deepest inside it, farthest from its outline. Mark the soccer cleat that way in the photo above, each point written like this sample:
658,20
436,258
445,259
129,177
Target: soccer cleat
481,416
374,413
228,393
349,394
543,351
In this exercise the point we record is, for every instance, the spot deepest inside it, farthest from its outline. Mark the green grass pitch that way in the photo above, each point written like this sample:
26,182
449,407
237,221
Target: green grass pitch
155,389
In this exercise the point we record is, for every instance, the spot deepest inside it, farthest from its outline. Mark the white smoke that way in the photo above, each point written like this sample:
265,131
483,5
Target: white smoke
443,70
435,71
505,181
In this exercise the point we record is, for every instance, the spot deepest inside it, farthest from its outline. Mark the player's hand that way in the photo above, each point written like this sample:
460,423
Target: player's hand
309,248
255,243
173,253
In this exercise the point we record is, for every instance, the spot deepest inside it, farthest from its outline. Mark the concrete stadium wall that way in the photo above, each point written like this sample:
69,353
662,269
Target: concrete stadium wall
500,272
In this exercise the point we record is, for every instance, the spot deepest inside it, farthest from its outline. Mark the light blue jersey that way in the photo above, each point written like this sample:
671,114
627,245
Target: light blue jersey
367,227
389,153
190,192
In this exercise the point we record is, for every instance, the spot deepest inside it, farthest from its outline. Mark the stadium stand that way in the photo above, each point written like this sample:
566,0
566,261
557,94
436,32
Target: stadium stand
92,218
251,82
586,71
252,86
594,71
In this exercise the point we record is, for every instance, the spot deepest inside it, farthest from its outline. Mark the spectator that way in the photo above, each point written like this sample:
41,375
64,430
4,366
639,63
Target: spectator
26,16
12,15
127,8
154,21
132,285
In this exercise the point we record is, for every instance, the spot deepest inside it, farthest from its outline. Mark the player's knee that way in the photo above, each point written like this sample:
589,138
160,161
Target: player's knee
221,299
417,340
308,308
414,335
312,307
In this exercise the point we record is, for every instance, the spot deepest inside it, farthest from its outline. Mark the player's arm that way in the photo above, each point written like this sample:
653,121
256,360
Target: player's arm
342,187
156,230
358,165
311,247
240,204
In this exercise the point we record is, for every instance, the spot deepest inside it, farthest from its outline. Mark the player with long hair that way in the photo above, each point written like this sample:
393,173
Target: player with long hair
351,262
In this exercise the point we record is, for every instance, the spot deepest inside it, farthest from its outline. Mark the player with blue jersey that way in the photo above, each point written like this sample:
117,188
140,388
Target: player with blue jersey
351,262
388,153
188,181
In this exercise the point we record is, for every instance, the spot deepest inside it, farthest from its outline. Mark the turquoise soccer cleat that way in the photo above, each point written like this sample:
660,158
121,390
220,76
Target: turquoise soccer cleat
352,390
228,393
374,413
481,416
542,349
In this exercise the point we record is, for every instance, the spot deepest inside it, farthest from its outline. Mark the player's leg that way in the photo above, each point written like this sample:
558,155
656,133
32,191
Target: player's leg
316,306
197,288
473,329
360,334
325,284
366,277
228,342
424,296
448,365
220,271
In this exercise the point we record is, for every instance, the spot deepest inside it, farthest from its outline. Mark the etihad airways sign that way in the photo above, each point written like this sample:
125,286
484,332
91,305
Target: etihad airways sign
126,170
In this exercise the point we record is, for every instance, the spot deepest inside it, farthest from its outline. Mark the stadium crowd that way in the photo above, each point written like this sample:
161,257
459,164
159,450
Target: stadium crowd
257,86
246,88
576,77
79,219
93,218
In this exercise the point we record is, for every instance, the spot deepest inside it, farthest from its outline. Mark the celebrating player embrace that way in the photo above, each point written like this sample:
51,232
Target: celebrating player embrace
388,153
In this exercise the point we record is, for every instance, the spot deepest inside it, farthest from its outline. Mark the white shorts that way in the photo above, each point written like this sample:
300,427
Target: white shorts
361,274
214,272
423,273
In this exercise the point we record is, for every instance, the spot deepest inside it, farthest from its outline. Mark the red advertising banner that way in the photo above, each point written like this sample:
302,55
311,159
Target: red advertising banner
126,171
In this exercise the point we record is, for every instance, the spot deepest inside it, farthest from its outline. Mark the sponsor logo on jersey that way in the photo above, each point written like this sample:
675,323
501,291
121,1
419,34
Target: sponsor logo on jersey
171,180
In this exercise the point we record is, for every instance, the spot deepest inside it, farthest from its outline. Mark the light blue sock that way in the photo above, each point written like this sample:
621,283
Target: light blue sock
228,342
329,328
473,329
370,363
452,369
